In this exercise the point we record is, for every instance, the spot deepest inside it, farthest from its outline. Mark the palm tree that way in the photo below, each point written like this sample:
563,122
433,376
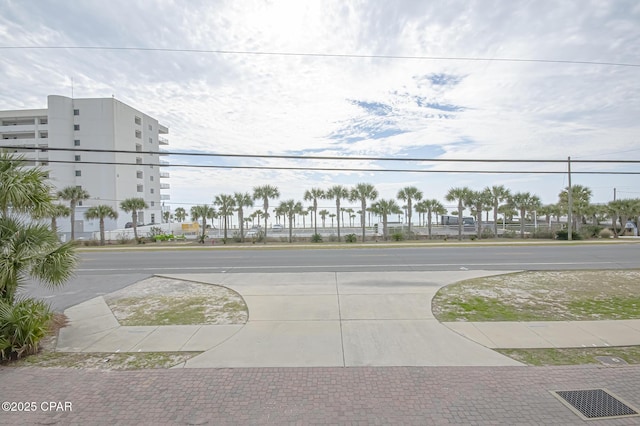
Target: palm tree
460,195
499,194
337,192
28,249
265,193
581,196
332,216
363,192
479,200
430,207
205,212
256,214
290,208
384,208
58,210
133,206
180,214
73,194
622,210
24,190
242,200
101,212
314,194
524,202
409,194
323,215
226,205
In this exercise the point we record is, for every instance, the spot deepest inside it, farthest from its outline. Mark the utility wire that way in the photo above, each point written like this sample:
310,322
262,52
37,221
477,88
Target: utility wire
324,55
312,157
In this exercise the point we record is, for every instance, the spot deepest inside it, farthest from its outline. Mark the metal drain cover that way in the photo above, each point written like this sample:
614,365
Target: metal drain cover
595,404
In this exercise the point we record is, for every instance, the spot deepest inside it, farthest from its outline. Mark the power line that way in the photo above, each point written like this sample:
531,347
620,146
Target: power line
312,157
325,55
336,169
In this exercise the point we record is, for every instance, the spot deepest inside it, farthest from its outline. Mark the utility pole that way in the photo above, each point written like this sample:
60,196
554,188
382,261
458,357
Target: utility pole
570,202
614,194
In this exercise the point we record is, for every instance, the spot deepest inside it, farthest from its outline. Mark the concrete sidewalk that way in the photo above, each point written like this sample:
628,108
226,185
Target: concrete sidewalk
333,319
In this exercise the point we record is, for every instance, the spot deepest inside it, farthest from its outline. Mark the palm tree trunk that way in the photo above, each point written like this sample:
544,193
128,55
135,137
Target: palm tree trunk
460,220
241,224
522,213
495,219
338,216
72,206
101,231
429,223
134,217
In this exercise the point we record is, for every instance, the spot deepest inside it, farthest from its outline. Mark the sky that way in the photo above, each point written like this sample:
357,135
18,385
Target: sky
400,79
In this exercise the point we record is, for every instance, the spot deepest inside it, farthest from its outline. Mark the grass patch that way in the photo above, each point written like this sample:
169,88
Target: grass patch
103,361
542,296
571,356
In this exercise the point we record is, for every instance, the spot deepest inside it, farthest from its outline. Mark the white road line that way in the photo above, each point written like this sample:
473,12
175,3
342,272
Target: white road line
409,265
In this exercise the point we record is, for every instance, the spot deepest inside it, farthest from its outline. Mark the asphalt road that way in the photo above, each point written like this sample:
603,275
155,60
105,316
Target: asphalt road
102,272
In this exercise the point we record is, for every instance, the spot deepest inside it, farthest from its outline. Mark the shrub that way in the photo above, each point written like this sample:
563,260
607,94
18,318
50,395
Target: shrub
316,238
473,237
89,243
397,236
509,234
487,233
22,326
591,231
605,233
543,234
155,230
123,239
563,234
350,238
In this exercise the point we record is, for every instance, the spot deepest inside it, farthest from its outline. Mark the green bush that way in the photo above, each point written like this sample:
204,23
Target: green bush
591,231
473,237
487,233
351,238
543,234
605,233
397,236
509,234
563,234
22,326
316,238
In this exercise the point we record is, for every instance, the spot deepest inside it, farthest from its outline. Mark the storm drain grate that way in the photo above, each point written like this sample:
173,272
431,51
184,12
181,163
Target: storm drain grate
595,404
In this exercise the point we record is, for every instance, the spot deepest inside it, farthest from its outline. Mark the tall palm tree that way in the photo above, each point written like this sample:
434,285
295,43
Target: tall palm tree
265,193
409,194
180,214
226,206
622,210
58,210
314,194
101,212
323,214
242,200
203,212
337,192
290,208
73,194
332,216
363,192
499,194
479,200
581,196
384,208
459,195
524,202
133,206
430,207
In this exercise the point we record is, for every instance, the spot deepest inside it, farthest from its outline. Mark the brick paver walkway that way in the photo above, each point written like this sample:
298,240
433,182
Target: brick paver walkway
395,395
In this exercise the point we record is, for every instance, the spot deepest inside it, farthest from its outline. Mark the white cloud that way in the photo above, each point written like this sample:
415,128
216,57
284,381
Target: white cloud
255,104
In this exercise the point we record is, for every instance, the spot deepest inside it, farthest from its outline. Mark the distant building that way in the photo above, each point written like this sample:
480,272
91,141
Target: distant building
104,124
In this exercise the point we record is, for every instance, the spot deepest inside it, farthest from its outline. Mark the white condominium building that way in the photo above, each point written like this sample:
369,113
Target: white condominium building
104,124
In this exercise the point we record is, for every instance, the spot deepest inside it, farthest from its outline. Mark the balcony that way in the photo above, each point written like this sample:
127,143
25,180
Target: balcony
164,175
163,130
165,186
165,196
17,128
163,141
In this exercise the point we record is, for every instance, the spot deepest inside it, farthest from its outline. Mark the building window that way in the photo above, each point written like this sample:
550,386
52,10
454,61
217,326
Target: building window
138,120
151,190
138,160
78,172
139,175
150,128
140,188
151,178
138,134
153,218
44,121
79,202
150,140
153,203
78,158
76,127
138,147
76,112
76,142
